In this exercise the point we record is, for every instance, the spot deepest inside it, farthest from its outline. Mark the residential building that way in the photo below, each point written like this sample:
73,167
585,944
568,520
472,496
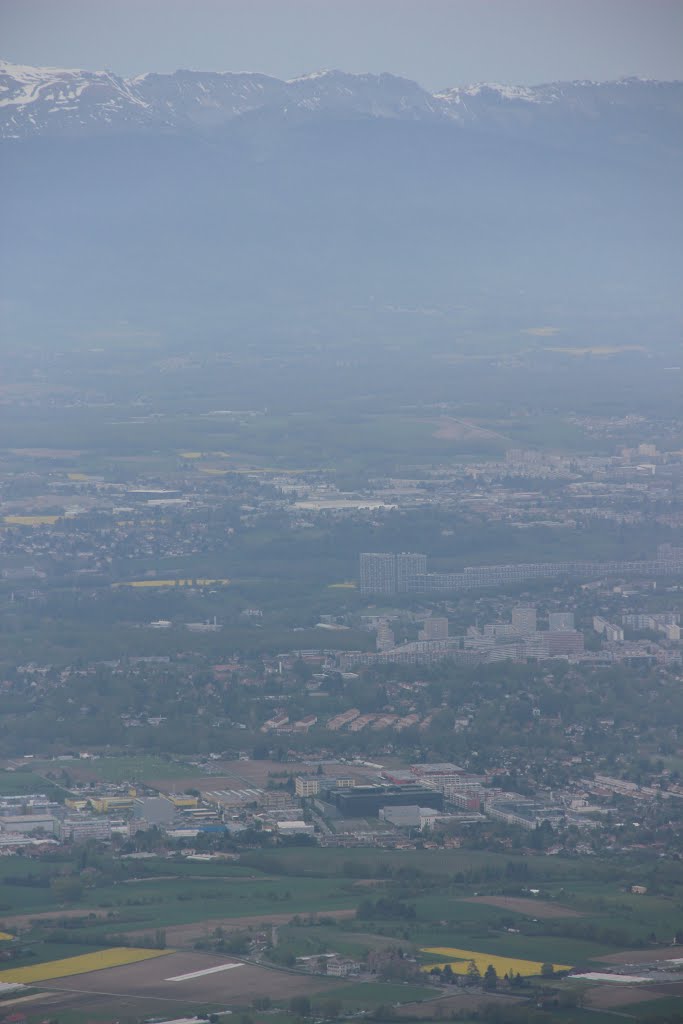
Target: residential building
524,619
563,643
613,634
560,621
434,628
305,787
386,640
408,566
377,573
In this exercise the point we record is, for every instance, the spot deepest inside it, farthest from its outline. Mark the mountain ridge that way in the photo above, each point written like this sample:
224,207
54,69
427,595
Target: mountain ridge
209,198
73,101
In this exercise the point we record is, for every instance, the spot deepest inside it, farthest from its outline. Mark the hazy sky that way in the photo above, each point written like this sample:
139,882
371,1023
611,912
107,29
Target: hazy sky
436,42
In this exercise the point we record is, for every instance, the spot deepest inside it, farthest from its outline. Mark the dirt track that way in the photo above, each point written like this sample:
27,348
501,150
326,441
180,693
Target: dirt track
524,905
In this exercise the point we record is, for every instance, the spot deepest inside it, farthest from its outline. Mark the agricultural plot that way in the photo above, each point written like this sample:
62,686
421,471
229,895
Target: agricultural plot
460,1002
30,520
197,978
642,956
238,896
657,1009
73,965
366,995
123,769
525,905
187,934
461,959
14,783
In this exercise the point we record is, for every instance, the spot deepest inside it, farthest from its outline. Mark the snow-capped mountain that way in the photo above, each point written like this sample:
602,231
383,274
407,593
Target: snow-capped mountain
62,101
210,198
57,101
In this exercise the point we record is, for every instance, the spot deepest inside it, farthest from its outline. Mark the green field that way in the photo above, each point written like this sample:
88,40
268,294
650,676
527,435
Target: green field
669,1008
151,904
15,783
123,769
432,885
366,995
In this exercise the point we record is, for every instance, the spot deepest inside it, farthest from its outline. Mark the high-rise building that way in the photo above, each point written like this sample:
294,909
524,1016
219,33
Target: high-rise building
434,628
524,619
377,573
613,634
408,566
558,622
386,640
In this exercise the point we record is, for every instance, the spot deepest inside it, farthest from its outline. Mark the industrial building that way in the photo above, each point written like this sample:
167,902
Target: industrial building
366,801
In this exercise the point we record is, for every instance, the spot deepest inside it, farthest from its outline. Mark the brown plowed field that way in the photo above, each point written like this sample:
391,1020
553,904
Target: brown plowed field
611,995
444,1006
524,905
186,934
642,956
148,983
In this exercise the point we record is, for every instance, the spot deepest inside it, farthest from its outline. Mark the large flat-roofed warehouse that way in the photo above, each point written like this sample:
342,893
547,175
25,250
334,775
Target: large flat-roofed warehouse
366,801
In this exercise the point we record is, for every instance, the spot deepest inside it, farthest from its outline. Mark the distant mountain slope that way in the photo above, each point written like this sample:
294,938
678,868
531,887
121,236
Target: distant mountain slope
203,199
57,101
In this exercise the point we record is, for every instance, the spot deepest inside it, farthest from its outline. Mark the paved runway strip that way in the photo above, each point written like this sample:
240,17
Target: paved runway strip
200,974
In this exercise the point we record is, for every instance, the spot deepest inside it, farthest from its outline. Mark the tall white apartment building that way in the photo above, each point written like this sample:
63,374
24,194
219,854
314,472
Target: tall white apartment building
377,573
408,566
524,619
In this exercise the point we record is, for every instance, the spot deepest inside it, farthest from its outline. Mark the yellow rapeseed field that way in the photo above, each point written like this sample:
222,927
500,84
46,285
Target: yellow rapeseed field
118,956
31,520
503,964
5,936
171,583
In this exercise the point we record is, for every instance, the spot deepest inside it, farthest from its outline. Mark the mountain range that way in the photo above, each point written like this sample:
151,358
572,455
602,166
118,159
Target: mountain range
59,101
215,198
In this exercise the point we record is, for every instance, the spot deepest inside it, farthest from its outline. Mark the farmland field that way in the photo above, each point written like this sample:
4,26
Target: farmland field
185,934
524,905
642,956
657,1009
323,900
14,783
503,964
165,901
121,769
84,964
151,984
31,520
358,995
